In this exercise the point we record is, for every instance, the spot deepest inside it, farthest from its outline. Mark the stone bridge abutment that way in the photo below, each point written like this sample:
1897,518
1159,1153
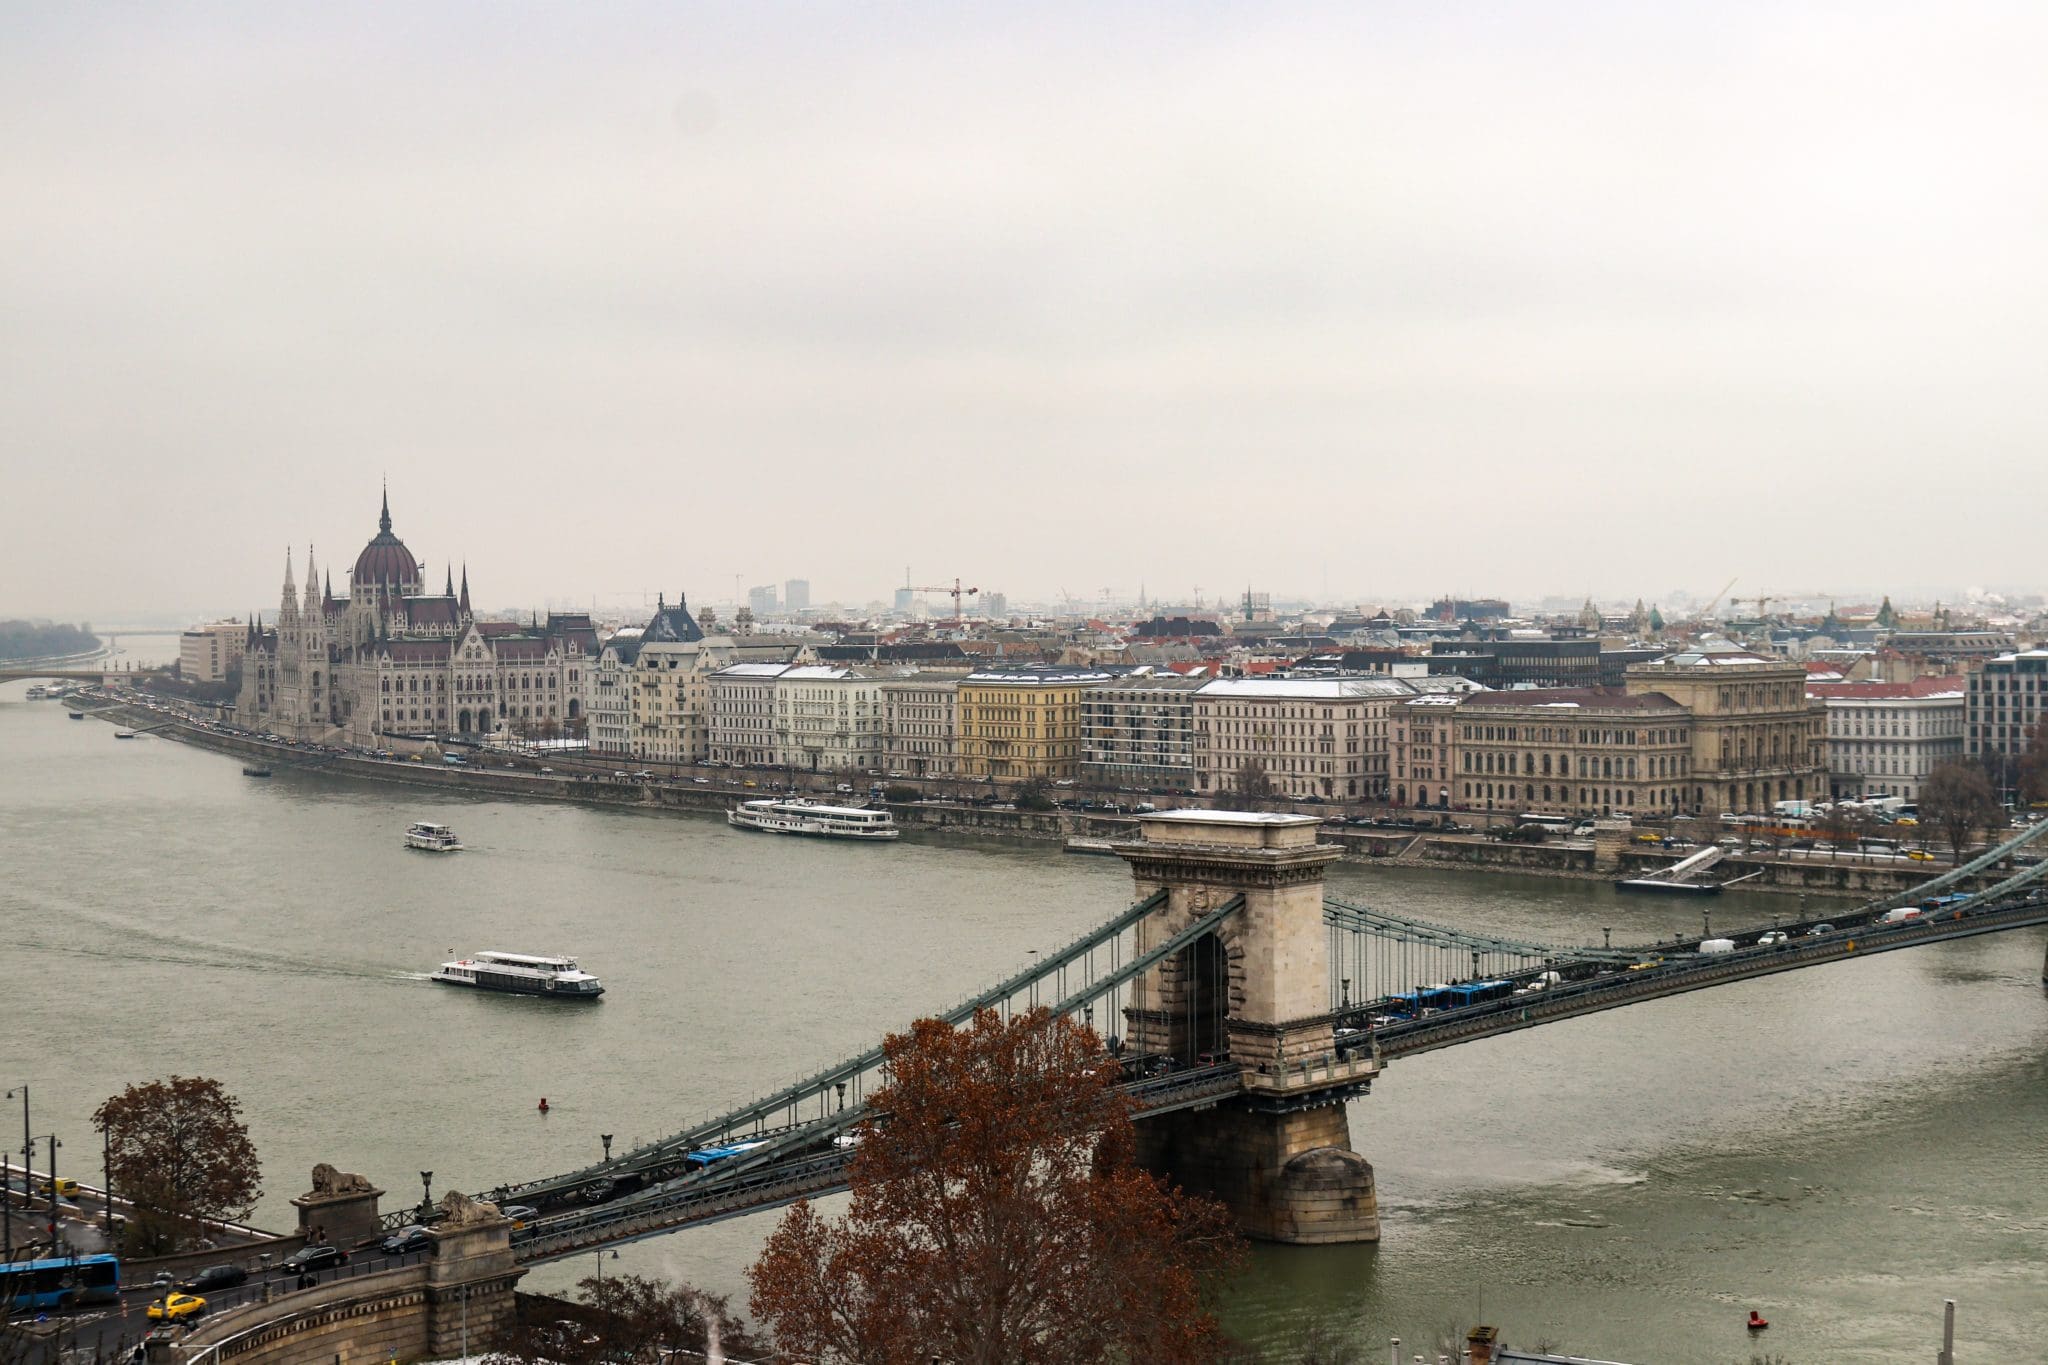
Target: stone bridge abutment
1254,993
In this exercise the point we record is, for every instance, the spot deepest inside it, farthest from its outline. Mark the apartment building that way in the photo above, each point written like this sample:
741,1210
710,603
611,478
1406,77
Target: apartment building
1325,738
1016,724
921,724
1422,750
2007,698
742,715
1139,731
210,652
828,719
1886,739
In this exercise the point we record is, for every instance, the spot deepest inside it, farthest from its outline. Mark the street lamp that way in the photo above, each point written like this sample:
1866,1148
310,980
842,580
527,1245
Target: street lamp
426,1193
27,1155
56,1243
606,1139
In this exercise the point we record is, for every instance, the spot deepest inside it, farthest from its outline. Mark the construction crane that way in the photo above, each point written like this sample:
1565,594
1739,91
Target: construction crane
1707,611
953,590
1762,603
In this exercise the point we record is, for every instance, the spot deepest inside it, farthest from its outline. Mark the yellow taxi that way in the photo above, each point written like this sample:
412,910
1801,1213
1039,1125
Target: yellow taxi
1919,855
172,1307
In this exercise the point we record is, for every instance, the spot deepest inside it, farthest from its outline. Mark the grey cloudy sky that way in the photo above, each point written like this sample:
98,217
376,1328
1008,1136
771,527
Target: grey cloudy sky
1463,295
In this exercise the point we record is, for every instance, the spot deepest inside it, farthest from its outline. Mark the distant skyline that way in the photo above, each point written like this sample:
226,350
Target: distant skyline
1378,302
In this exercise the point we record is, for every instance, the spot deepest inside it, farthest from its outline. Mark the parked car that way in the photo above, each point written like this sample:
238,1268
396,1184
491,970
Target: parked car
215,1277
312,1258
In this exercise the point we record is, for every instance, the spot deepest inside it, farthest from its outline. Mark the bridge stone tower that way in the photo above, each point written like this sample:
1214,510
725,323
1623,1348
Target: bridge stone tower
1256,993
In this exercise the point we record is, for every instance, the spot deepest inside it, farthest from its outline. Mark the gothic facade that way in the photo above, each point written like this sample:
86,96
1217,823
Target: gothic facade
392,659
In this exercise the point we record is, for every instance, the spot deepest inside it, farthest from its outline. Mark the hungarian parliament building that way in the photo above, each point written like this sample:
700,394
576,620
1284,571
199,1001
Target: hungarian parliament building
392,658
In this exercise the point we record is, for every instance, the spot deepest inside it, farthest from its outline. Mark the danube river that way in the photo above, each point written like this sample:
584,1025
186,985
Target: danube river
1841,1148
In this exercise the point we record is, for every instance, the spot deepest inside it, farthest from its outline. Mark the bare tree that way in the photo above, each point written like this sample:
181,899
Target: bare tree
1252,788
1958,801
2032,776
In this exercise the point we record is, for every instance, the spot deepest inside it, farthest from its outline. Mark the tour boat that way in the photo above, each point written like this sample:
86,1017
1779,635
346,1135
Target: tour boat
522,974
432,838
813,817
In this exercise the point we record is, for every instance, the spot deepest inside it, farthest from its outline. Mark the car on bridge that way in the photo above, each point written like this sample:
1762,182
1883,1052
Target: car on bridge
215,1277
520,1214
1773,938
176,1307
308,1259
406,1239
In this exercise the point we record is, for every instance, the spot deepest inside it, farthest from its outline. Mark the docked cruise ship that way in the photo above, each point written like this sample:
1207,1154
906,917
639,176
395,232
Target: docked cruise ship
813,817
522,974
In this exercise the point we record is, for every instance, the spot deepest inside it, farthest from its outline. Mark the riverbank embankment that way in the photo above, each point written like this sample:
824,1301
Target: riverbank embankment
1816,875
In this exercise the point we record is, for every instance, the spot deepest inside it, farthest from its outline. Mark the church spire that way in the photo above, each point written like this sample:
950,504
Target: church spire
465,588
384,517
449,591
290,588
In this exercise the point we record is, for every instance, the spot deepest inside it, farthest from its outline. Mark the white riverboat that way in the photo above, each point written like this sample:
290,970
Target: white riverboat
432,838
522,974
813,817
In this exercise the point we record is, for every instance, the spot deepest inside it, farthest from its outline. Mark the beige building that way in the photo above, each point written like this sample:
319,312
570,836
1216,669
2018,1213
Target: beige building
1756,738
1422,751
828,719
1325,738
921,725
1573,751
1886,739
1017,724
210,652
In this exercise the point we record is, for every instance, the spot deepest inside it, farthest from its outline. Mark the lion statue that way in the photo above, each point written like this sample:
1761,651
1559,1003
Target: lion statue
459,1210
328,1180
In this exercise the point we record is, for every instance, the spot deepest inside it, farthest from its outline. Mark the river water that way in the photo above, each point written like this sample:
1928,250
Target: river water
1841,1147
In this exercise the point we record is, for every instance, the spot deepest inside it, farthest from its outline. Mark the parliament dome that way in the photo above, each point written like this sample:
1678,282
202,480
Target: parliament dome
385,561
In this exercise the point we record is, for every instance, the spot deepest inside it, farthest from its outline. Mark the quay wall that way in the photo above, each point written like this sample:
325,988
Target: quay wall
1817,876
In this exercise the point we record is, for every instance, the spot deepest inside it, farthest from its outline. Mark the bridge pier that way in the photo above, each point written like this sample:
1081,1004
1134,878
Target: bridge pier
1255,993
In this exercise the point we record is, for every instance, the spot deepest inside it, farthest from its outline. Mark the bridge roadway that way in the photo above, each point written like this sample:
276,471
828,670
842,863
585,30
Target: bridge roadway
816,1168
1611,989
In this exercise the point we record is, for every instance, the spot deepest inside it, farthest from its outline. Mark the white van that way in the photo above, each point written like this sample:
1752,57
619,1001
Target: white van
1898,916
1717,945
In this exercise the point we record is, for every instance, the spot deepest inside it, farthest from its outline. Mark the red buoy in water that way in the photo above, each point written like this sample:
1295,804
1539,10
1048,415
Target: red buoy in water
544,1109
1757,1321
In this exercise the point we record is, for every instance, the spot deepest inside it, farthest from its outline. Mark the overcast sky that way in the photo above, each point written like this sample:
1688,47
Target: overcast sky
1397,298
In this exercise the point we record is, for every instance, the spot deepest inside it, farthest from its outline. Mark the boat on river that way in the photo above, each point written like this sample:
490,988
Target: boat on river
124,734
814,818
428,837
78,715
255,772
558,978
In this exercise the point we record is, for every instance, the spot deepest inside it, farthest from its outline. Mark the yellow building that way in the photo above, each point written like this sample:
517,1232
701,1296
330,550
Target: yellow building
1019,723
1757,739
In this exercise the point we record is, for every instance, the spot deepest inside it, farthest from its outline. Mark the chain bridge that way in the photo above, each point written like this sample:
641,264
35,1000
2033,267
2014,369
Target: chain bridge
1245,1008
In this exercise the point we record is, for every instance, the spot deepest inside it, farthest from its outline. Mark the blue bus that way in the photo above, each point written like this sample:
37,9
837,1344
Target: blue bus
705,1156
62,1283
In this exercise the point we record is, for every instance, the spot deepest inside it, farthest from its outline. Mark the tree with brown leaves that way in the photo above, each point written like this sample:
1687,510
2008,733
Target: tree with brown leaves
998,1218
179,1152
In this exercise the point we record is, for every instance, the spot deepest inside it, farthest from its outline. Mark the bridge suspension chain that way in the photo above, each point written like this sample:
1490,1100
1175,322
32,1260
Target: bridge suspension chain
1958,874
847,1073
